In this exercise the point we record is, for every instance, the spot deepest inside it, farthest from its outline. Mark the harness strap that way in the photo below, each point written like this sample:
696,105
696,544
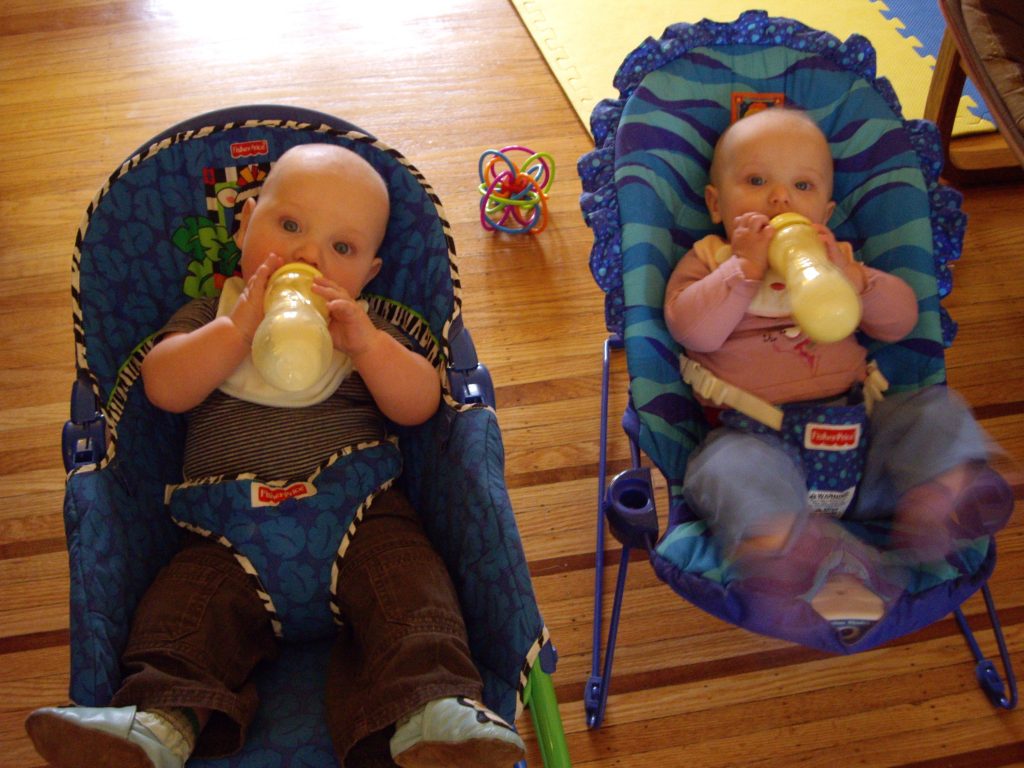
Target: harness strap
875,386
712,388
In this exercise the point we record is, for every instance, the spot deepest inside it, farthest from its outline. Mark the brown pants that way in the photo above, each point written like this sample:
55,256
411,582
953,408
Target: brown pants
200,630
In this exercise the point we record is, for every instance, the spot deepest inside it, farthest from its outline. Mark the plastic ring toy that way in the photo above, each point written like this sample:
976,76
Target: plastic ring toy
515,198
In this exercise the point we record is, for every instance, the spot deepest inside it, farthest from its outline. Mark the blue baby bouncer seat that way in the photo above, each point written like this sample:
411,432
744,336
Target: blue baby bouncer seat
158,233
643,197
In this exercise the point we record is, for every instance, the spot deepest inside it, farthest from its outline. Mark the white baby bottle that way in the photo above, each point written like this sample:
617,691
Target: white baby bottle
292,347
824,303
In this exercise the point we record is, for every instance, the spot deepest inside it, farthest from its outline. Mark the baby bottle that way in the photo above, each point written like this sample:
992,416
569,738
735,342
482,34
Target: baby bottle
292,347
824,303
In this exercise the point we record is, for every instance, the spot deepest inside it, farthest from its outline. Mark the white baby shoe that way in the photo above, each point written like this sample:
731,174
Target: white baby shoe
97,737
456,732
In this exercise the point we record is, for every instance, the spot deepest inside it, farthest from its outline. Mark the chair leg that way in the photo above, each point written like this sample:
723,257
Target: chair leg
595,695
947,85
988,676
944,94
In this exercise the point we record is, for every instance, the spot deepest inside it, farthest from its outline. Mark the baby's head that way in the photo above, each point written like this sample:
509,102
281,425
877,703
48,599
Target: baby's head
774,161
323,205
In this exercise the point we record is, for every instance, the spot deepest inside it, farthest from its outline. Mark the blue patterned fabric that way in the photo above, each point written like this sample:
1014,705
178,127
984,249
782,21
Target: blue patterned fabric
163,234
290,728
119,535
159,233
688,561
292,545
836,469
643,197
461,465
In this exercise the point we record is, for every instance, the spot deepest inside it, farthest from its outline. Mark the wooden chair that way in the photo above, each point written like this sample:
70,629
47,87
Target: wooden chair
984,40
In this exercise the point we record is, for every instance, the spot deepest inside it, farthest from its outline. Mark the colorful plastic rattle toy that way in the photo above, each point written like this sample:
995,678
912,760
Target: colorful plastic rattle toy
515,199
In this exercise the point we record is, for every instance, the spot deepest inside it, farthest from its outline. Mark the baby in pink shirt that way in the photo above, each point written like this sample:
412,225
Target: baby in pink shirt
741,329
731,314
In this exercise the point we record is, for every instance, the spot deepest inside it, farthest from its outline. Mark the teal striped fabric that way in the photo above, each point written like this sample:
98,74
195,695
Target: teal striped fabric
662,135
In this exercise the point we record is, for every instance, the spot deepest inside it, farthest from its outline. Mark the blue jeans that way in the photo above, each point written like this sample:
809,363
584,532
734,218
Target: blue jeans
742,483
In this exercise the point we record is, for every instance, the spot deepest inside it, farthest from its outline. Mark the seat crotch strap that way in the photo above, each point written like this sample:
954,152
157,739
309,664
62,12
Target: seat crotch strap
875,385
712,388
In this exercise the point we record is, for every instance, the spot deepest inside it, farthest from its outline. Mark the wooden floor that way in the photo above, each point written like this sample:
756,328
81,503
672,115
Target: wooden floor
83,82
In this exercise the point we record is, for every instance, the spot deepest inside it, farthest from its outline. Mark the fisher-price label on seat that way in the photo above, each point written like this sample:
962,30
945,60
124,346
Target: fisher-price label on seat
262,495
253,148
831,437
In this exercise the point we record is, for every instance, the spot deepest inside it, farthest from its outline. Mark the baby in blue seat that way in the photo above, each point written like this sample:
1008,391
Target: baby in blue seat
925,463
219,608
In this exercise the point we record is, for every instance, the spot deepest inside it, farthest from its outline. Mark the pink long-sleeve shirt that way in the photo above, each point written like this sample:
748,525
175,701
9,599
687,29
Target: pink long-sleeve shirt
706,310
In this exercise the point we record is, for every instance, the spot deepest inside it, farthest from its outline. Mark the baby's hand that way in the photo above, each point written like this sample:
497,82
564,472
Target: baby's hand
351,329
248,311
751,235
852,269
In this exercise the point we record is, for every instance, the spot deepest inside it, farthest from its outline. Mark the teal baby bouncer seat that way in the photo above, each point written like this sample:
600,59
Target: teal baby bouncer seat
643,197
159,233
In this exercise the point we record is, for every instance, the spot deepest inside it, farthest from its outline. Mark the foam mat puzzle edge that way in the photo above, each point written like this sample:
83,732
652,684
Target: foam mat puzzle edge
584,43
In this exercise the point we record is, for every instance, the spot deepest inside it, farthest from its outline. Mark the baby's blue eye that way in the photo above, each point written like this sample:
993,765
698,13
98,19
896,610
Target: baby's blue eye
342,248
290,225
757,181
803,186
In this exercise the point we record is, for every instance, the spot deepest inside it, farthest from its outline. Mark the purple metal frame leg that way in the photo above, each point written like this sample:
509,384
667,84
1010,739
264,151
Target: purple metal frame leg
628,505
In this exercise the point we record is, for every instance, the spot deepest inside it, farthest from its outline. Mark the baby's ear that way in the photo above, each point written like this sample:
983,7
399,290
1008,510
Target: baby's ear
375,266
243,220
711,200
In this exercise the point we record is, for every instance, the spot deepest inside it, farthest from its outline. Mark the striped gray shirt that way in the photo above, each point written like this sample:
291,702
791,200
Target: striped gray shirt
228,437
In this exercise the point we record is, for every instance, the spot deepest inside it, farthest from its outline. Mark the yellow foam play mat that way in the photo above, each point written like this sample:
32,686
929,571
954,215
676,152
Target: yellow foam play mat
584,42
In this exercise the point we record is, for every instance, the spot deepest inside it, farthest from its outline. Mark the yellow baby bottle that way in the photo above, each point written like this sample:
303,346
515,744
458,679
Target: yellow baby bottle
292,347
824,303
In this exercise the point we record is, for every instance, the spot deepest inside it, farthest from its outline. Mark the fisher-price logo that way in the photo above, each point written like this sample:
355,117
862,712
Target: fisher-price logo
831,437
249,148
271,495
